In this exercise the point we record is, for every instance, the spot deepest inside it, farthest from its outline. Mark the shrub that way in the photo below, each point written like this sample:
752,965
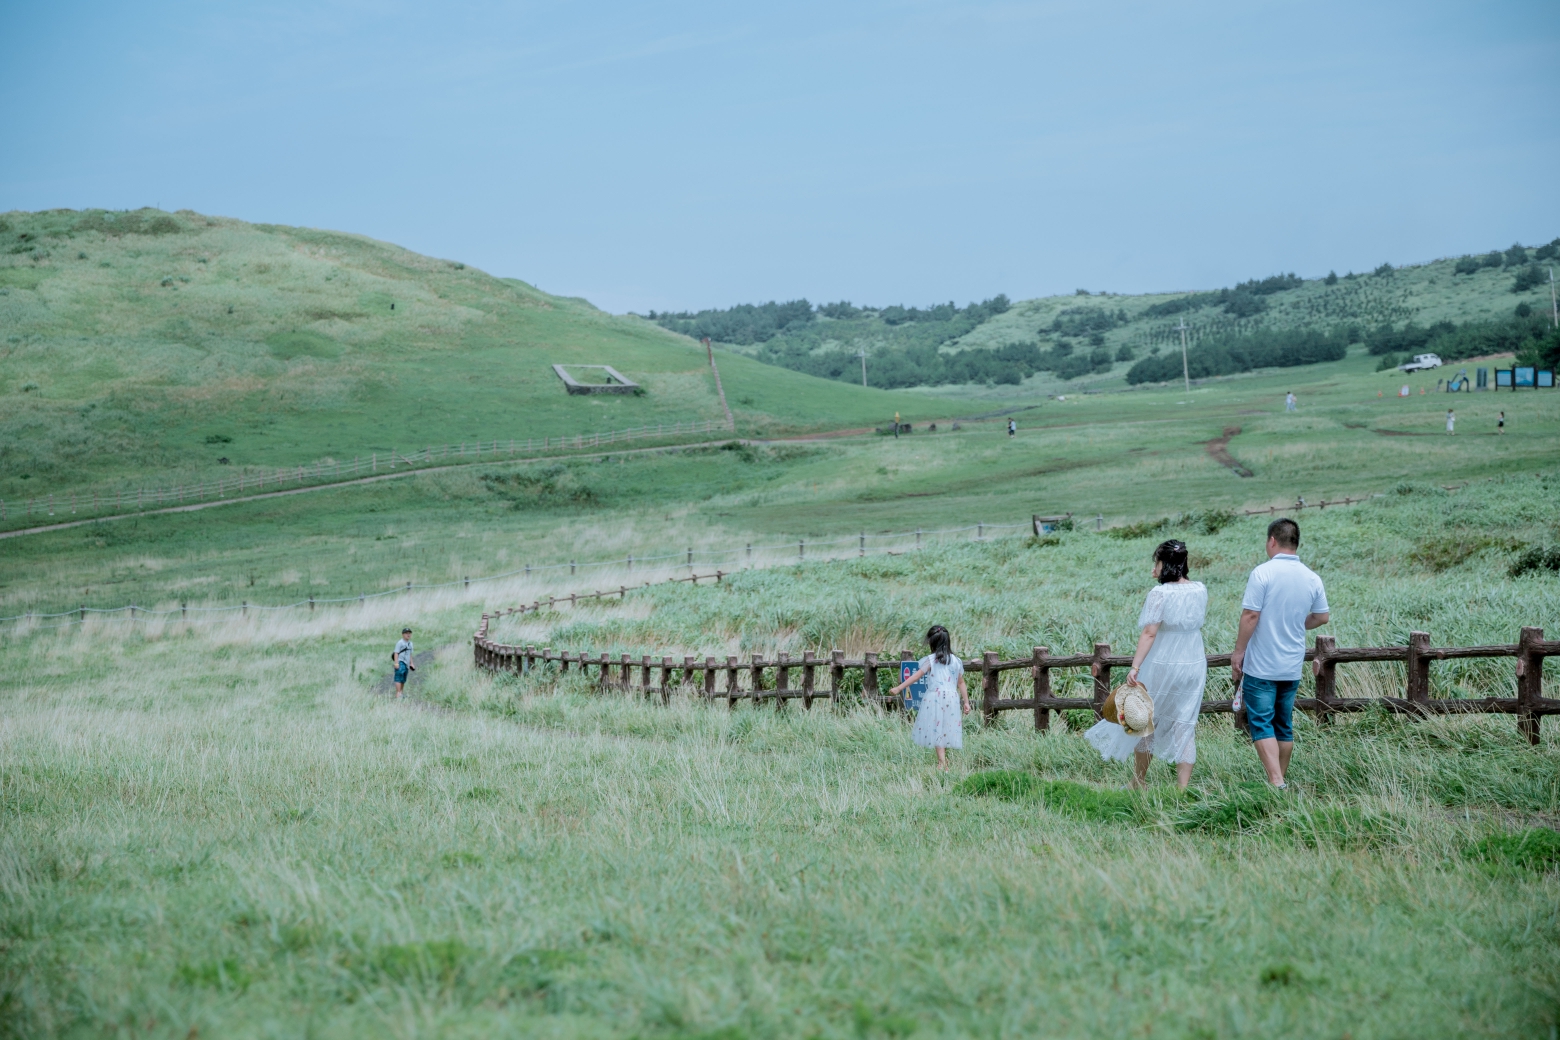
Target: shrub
1530,277
1494,259
1536,558
1524,309
1517,254
1331,279
1467,265
1223,355
1125,353
1387,361
1143,529
1209,522
1384,271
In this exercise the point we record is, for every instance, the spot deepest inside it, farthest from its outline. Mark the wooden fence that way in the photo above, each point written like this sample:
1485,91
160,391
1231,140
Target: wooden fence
760,678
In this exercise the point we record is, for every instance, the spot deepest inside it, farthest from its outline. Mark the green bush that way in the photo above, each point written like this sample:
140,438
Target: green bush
1536,558
1529,278
1141,529
1225,355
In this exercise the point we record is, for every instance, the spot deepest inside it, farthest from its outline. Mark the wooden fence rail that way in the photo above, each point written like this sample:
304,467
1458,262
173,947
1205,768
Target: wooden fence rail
770,678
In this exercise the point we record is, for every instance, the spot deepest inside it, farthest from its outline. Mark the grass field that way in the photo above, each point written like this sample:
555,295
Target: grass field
225,828
1124,456
231,830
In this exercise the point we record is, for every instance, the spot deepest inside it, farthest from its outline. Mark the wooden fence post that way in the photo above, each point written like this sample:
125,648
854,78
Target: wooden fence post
687,669
1326,671
1042,676
644,673
869,678
627,671
782,679
988,675
1530,683
758,679
731,682
709,678
666,680
605,679
807,679
1419,671
836,676
1101,672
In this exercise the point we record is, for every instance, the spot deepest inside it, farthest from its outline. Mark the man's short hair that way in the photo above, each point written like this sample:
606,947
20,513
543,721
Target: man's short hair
1285,532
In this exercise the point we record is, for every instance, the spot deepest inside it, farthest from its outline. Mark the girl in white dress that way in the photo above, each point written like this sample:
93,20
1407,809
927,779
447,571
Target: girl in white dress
1171,663
940,722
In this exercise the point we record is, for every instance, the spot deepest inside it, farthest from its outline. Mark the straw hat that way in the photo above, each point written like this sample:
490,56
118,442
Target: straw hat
1134,709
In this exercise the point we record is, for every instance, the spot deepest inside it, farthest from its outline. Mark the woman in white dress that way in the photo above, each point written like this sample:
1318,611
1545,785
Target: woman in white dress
1171,663
940,722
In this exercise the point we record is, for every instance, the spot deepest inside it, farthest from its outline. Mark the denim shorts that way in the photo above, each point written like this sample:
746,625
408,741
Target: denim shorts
1270,707
400,673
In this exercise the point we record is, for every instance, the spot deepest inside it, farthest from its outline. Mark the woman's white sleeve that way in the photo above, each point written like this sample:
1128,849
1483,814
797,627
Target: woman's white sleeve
1153,607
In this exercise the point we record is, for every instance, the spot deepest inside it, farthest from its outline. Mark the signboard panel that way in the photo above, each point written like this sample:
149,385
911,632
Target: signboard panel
916,690
1524,375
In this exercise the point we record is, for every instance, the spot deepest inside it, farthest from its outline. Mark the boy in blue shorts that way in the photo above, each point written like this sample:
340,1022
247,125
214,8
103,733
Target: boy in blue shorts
1284,599
402,656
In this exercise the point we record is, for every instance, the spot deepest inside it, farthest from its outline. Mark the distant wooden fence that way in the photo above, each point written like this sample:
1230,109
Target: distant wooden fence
750,680
255,480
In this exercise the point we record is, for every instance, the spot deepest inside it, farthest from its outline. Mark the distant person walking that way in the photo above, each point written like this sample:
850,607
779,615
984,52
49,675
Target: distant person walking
1012,428
940,722
1500,424
402,656
1289,402
1284,598
1451,421
1172,666
896,426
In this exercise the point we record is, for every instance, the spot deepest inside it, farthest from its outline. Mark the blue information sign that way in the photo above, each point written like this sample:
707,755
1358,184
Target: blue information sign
1525,375
916,690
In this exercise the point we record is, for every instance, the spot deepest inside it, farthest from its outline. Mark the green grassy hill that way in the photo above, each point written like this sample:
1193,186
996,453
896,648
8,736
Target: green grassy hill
149,341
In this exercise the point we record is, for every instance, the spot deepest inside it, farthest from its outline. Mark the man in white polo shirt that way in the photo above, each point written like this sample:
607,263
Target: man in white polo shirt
1284,598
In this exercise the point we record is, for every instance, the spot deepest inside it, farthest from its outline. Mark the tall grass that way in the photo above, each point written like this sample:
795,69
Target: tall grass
230,830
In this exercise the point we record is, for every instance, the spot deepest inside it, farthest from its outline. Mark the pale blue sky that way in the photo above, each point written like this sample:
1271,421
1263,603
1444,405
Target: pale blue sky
670,155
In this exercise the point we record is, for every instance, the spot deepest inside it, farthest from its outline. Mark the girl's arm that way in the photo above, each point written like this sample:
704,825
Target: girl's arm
918,673
1145,641
964,695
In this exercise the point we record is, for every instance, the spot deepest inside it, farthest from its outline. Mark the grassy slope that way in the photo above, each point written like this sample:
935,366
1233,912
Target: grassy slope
1125,456
227,831
284,340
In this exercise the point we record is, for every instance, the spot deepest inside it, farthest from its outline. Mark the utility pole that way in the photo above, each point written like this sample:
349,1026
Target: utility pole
1554,307
861,352
1185,370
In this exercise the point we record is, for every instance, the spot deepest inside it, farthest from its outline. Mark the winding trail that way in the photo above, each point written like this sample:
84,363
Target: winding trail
1218,448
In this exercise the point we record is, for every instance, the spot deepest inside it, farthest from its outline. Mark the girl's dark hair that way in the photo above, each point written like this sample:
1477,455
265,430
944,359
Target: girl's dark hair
1173,565
937,638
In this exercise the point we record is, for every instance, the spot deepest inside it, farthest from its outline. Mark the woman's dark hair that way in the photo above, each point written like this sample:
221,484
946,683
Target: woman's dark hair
1173,565
937,638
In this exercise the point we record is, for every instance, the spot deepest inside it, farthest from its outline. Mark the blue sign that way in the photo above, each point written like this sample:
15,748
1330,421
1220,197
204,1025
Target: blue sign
1546,378
1525,375
916,690
1503,377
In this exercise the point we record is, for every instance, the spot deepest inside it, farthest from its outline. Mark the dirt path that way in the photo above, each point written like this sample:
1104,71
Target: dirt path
1218,448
